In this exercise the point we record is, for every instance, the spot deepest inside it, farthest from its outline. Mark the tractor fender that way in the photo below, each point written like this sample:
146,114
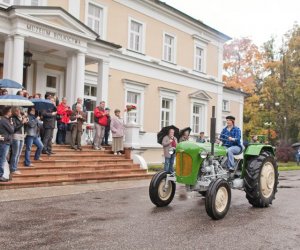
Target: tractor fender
256,149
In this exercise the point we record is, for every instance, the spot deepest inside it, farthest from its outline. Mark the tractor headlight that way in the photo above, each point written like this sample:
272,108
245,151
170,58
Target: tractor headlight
203,154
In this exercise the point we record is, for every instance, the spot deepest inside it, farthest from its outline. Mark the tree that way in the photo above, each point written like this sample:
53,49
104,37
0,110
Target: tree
244,69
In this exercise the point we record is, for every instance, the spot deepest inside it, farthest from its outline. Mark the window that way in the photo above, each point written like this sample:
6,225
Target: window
135,95
136,38
90,98
199,59
200,48
198,118
169,48
95,18
90,90
51,82
134,99
167,106
225,106
166,110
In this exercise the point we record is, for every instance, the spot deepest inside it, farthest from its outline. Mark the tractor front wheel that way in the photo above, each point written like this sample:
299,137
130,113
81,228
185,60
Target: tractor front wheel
161,194
218,198
261,180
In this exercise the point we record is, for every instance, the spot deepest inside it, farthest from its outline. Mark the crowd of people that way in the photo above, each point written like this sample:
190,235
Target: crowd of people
23,127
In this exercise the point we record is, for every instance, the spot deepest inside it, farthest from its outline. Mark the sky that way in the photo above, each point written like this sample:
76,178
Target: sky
256,19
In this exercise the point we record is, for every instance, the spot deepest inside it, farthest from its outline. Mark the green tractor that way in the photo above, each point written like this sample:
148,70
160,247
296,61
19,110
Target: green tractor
201,167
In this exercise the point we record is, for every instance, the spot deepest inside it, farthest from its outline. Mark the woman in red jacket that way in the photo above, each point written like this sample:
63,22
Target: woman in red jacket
101,119
63,113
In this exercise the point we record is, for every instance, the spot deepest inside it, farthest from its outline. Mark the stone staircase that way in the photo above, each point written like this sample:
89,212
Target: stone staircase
68,166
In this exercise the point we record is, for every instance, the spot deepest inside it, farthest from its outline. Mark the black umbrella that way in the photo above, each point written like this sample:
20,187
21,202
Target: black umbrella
7,83
183,130
42,104
297,144
165,131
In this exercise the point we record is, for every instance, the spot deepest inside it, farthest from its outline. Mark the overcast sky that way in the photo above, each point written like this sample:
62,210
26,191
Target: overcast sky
256,19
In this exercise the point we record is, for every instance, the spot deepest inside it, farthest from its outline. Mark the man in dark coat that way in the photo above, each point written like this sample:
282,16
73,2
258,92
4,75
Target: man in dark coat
49,117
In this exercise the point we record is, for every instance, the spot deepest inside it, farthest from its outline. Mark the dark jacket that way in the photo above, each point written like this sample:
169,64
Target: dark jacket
48,119
77,122
17,125
6,130
33,126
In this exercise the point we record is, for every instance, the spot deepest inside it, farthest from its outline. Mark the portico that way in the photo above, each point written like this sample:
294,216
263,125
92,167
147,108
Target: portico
62,47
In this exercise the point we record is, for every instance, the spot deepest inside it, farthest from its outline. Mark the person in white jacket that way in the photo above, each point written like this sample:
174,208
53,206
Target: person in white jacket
117,130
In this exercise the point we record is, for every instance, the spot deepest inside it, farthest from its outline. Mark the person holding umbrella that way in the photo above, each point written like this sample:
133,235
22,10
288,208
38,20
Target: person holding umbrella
33,137
6,131
169,141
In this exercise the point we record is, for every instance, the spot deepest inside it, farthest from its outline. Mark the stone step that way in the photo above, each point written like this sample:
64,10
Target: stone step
75,174
69,181
74,156
76,162
78,168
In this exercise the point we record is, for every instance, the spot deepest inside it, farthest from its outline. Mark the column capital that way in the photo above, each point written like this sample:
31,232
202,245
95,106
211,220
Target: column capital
18,36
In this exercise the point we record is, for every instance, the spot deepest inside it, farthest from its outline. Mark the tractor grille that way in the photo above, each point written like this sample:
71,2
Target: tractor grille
183,164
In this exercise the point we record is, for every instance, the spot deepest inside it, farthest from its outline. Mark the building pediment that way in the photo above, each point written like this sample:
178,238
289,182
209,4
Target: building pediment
53,18
201,95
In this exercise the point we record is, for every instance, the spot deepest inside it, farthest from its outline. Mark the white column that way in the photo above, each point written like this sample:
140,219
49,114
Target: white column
40,84
8,57
80,76
70,78
102,84
17,64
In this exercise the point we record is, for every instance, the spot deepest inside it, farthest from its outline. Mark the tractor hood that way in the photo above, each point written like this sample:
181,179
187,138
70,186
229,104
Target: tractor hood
194,148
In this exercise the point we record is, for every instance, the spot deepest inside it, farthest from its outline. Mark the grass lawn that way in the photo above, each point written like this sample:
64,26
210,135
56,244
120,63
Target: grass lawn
282,166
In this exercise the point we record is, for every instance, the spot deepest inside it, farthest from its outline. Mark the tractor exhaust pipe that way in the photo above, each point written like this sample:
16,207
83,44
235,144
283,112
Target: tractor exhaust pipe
213,130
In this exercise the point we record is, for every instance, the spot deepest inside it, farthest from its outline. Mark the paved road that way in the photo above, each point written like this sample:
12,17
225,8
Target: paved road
126,219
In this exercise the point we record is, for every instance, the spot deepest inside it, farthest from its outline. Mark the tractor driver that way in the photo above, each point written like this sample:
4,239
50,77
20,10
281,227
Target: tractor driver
231,139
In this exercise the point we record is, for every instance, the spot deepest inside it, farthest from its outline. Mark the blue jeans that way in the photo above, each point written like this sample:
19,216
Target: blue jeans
4,148
61,133
16,150
231,152
169,162
298,159
29,140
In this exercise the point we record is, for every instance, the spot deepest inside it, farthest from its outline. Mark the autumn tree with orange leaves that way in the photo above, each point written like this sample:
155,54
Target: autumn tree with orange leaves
270,76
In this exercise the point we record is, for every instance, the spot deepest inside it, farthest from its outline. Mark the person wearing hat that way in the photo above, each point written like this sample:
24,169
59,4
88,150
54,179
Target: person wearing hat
107,129
231,139
117,130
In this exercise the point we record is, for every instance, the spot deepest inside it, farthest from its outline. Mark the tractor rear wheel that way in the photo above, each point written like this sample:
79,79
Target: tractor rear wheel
159,194
218,198
261,180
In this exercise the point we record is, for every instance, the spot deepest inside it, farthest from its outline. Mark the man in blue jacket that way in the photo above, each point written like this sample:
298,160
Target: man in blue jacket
231,139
